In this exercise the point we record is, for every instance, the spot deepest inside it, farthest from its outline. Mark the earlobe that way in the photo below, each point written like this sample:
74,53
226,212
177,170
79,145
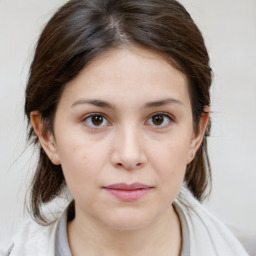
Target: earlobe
198,136
45,137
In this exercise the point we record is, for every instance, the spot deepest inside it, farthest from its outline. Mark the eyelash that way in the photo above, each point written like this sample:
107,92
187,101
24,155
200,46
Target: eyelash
165,118
88,120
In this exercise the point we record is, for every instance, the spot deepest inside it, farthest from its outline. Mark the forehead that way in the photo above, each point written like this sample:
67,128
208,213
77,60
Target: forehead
128,72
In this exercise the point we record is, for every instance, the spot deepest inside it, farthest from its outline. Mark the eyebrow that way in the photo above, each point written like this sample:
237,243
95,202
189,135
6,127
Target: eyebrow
159,103
104,104
95,102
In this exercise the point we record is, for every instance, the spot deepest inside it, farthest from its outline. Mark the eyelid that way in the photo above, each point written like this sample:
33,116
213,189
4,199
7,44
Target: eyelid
167,115
86,117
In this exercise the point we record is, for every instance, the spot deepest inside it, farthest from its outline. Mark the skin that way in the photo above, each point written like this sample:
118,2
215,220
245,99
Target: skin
128,89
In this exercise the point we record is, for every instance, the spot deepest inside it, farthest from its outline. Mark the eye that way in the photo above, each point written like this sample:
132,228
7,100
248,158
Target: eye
159,120
96,120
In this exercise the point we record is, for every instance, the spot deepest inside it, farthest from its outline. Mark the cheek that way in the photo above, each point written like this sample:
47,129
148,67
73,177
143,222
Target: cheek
75,162
171,178
80,174
82,162
170,161
172,153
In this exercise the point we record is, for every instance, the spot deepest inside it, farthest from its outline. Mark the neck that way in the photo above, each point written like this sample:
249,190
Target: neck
88,236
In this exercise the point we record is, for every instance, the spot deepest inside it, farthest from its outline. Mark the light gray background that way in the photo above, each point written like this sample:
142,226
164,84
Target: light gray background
229,28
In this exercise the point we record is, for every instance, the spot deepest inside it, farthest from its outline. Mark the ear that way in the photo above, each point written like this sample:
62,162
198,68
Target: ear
198,136
45,137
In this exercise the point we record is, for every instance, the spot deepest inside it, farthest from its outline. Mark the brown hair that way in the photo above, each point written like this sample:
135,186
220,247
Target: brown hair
84,29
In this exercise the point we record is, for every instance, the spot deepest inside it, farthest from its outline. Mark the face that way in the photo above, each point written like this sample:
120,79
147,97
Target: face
123,134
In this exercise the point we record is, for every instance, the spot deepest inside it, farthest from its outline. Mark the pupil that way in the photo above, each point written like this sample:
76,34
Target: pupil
97,120
158,120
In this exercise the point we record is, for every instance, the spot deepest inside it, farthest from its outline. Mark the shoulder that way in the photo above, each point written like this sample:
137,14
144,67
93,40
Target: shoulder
33,239
207,235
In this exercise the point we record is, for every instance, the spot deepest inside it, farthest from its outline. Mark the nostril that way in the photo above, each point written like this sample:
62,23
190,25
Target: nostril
129,166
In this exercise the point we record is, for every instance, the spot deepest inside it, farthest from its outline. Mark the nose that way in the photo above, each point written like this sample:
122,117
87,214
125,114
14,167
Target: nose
128,149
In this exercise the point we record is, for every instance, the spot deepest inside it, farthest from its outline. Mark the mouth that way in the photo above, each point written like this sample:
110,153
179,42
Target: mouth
128,192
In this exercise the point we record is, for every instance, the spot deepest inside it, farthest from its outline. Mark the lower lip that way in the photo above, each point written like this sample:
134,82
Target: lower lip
128,195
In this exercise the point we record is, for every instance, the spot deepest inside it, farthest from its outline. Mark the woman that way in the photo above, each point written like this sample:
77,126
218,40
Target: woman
118,102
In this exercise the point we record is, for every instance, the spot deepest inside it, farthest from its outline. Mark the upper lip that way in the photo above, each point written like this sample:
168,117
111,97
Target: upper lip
124,186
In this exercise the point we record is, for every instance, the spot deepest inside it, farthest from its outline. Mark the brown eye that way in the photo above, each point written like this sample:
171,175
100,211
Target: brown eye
96,120
160,120
157,119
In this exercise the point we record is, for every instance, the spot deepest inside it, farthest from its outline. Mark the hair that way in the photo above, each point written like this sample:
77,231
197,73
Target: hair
80,31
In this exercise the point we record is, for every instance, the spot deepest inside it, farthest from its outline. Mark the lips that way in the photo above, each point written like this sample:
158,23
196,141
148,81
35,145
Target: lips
128,192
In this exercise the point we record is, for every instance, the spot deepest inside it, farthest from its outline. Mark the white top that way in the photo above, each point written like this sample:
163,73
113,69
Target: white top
202,234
